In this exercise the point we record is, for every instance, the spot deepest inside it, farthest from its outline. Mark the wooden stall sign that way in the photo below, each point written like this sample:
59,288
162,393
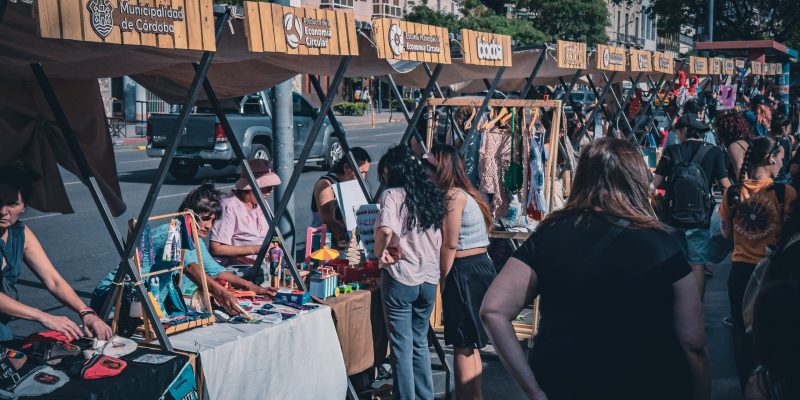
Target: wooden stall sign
641,60
755,67
773,69
610,58
728,67
698,65
778,69
715,66
409,41
663,62
739,63
175,24
571,54
274,28
490,49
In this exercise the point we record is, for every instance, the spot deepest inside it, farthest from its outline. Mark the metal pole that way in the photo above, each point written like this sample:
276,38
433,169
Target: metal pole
283,149
426,94
403,108
710,20
600,101
342,138
472,133
262,203
301,161
529,82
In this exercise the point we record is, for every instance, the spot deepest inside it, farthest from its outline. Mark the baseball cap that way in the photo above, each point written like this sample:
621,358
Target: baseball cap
690,121
263,172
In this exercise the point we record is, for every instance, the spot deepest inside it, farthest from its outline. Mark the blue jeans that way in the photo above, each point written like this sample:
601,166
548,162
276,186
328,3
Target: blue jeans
407,310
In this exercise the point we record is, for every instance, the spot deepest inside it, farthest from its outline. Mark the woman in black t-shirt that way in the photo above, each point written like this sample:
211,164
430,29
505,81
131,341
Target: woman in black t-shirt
620,311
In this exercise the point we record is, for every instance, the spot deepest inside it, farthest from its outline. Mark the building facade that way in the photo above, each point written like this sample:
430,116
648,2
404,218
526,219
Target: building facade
630,25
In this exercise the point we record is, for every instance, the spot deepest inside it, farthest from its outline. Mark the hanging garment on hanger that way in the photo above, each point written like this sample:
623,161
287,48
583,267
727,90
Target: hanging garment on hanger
512,179
537,204
494,159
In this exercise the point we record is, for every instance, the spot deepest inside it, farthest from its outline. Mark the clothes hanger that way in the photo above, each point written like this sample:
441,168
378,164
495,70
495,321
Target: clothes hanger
535,115
492,122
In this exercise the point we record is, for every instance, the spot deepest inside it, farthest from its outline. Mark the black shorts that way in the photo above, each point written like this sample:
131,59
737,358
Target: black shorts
465,286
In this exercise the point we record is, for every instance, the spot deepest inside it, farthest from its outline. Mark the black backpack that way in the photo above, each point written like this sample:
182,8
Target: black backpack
689,202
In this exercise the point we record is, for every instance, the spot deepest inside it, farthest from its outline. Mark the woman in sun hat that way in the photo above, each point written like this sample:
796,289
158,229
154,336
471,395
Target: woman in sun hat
238,234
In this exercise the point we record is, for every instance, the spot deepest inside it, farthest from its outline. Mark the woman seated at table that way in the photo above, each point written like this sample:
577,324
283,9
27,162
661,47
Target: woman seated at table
204,202
324,208
238,235
18,245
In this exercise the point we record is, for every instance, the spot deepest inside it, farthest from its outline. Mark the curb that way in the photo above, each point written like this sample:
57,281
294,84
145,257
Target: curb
129,141
370,123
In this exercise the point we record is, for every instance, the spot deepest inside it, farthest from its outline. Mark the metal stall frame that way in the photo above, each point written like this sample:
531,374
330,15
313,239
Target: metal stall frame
125,249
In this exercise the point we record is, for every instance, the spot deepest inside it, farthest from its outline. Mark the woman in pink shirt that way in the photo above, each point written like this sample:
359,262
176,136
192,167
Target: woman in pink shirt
238,234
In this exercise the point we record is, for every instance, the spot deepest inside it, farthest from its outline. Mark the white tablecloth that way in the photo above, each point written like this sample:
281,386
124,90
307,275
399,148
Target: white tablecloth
298,358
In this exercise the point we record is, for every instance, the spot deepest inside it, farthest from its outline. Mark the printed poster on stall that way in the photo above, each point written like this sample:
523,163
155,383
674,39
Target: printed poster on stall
727,97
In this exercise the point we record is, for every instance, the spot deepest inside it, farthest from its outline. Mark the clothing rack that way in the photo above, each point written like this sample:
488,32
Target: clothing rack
523,330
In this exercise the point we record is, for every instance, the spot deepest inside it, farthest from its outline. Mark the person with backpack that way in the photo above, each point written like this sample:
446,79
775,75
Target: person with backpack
687,171
753,213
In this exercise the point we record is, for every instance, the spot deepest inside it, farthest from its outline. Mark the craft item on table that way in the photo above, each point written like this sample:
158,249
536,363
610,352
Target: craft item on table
316,238
152,359
372,269
349,197
344,289
325,254
242,294
365,219
52,352
275,269
351,274
97,367
244,304
357,286
244,314
292,296
296,306
353,252
172,248
283,316
30,380
323,283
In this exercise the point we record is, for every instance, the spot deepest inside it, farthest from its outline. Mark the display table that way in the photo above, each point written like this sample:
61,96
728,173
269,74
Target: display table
361,329
137,381
299,358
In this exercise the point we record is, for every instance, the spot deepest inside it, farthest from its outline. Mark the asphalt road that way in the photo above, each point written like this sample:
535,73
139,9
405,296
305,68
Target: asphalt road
80,248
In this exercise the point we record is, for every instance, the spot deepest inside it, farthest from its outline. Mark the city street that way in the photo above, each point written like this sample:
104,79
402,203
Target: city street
79,246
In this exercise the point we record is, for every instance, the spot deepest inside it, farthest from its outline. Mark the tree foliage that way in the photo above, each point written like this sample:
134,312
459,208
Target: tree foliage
478,17
733,19
579,20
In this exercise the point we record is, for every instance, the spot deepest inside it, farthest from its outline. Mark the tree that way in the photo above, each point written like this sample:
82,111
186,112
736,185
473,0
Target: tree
733,19
579,20
478,17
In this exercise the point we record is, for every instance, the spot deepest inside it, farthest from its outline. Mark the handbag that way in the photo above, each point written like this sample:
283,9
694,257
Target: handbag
512,180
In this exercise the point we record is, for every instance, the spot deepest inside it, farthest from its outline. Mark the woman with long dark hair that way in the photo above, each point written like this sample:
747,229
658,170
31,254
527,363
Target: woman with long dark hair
753,212
467,271
620,309
407,241
735,134
776,327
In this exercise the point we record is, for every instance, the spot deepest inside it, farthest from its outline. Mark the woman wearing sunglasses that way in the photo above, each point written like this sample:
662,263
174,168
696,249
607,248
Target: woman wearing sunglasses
238,234
753,213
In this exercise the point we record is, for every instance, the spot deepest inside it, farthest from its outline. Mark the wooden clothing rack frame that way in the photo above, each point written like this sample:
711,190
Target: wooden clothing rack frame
523,330
147,329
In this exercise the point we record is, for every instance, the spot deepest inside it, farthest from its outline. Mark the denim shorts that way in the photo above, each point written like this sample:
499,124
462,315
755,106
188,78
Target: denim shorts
695,243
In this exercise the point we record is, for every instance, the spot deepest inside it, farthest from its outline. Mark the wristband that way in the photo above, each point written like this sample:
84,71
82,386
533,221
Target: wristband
85,313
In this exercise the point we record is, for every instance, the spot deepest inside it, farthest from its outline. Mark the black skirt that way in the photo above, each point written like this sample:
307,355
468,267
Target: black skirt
465,286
